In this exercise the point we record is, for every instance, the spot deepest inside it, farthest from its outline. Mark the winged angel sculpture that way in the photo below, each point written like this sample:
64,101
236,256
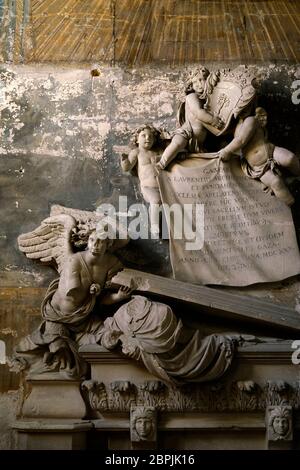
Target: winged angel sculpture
73,310
84,276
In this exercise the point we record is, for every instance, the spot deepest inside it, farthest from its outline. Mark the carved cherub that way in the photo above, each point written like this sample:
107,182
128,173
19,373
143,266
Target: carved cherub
192,117
261,159
145,157
70,299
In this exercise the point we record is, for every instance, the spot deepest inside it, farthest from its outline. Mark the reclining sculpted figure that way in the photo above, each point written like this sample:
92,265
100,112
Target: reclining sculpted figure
73,313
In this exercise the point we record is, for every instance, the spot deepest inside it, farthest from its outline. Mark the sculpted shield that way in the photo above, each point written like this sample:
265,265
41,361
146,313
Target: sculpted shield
230,96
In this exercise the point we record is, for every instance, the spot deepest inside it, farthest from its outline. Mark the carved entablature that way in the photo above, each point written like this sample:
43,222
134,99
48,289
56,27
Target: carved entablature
236,396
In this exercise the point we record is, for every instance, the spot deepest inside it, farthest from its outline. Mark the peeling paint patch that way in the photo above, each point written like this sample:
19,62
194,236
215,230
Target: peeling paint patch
9,331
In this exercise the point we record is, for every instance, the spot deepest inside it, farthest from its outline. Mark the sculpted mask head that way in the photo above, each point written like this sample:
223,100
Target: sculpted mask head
143,424
279,420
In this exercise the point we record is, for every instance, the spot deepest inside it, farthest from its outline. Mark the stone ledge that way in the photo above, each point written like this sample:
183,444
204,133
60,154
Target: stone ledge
52,426
195,421
262,353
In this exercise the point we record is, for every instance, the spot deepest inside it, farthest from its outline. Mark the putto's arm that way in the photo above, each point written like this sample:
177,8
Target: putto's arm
244,135
200,113
129,162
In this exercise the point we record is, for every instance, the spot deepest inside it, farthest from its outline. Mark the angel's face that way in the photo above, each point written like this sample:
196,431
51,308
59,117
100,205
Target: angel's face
262,118
146,139
97,246
199,82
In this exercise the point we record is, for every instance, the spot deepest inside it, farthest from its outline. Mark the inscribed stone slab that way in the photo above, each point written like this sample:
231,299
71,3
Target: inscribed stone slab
249,235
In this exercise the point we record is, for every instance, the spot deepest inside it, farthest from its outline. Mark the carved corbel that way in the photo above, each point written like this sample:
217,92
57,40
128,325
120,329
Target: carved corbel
143,424
279,423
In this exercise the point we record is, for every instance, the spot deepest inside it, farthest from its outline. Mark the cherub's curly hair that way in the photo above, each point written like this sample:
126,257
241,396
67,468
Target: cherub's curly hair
211,79
155,132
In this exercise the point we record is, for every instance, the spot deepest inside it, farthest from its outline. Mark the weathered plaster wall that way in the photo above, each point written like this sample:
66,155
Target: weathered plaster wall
62,134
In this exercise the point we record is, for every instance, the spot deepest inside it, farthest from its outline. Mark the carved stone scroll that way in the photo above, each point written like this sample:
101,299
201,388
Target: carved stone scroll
246,236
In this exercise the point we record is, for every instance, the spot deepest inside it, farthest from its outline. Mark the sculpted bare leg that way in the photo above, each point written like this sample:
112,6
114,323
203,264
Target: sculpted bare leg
178,144
154,218
278,187
287,159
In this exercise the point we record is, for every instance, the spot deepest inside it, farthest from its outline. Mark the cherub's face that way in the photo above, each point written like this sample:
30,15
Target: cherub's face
198,83
262,118
146,139
96,245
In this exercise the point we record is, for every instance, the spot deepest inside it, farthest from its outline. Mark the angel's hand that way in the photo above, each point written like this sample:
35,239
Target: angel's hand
158,168
95,289
217,122
65,359
110,339
224,155
62,356
124,293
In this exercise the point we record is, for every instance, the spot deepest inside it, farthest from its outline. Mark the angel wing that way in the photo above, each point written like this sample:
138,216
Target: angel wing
51,241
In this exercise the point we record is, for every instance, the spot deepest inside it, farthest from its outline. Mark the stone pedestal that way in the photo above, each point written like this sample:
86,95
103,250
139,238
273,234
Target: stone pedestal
52,416
52,434
225,414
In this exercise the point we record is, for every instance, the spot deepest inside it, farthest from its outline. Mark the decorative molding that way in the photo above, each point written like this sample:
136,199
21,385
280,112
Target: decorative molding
279,352
233,396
